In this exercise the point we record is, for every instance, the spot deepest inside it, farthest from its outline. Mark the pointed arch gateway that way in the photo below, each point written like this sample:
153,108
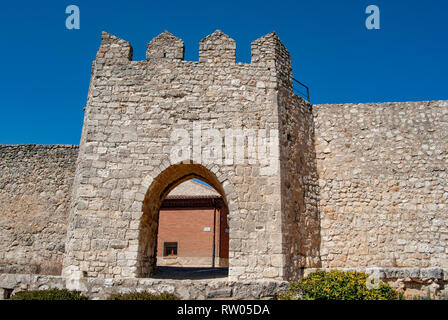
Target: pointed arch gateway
160,187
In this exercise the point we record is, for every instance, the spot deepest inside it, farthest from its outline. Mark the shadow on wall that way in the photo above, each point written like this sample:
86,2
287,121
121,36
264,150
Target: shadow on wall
46,268
300,185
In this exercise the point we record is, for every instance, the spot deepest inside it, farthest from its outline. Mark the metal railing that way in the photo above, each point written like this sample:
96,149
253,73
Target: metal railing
298,89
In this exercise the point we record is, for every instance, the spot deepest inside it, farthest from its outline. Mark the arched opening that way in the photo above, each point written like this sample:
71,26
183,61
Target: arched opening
184,231
193,233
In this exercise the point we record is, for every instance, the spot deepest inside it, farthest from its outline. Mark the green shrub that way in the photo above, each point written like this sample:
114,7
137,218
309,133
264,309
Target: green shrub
143,296
52,294
338,285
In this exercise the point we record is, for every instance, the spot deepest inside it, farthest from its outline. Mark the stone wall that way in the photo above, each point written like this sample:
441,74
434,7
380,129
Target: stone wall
300,227
35,181
383,184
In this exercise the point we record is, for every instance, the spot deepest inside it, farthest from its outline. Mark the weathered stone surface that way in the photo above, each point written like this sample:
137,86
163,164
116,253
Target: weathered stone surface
383,187
35,183
165,46
432,273
299,187
219,293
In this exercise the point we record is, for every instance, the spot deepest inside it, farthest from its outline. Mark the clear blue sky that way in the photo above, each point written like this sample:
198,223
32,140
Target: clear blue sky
45,68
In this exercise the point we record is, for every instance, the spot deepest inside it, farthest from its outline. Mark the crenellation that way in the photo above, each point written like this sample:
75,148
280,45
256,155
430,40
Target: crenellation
217,48
269,52
113,50
165,46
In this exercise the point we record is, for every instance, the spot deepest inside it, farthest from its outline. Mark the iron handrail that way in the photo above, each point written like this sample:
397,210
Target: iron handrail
300,93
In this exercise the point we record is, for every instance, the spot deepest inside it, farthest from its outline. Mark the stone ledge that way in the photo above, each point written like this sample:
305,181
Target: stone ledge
186,289
394,273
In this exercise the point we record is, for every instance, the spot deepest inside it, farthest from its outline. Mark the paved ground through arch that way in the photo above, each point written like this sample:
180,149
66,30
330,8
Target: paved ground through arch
190,273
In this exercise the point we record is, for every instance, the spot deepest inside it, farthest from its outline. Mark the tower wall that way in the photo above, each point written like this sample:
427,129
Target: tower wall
124,162
299,185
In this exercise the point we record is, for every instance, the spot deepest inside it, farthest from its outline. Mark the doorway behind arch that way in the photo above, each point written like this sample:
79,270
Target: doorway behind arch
193,233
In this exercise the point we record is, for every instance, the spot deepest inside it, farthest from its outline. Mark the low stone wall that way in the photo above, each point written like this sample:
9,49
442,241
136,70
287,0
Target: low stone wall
185,289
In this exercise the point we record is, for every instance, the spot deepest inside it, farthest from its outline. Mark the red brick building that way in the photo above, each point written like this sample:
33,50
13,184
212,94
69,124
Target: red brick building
193,217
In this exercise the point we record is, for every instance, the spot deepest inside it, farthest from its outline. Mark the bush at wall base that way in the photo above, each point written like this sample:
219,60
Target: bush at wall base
52,294
338,285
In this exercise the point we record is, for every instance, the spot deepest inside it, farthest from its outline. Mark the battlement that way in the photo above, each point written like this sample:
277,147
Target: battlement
270,52
215,49
114,49
165,46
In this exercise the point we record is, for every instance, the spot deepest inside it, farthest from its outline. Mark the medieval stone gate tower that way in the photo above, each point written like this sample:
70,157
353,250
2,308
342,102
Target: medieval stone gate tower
124,169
